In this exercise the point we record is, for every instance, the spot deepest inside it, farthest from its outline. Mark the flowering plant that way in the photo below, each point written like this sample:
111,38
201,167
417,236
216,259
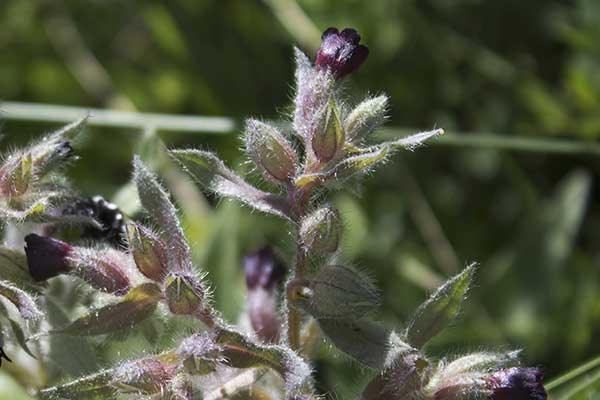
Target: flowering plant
144,272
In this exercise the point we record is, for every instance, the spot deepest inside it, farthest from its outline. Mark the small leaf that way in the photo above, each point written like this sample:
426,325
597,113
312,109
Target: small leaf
136,306
416,140
17,331
336,292
363,340
440,309
13,268
91,387
22,300
156,201
211,173
360,162
365,118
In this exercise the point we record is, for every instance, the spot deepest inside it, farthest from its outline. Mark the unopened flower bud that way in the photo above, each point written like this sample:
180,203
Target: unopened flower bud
271,152
335,292
320,232
340,52
15,175
264,272
517,384
328,137
146,376
101,269
46,257
184,293
200,354
263,269
401,379
367,116
149,252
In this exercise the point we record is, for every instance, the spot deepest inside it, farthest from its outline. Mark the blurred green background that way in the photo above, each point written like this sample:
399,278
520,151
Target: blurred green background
514,68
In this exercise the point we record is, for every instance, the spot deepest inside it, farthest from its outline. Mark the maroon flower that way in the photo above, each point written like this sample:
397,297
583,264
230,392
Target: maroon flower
340,52
46,257
264,272
517,384
263,269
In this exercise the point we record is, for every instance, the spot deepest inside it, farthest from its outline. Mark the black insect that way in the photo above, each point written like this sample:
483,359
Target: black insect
103,211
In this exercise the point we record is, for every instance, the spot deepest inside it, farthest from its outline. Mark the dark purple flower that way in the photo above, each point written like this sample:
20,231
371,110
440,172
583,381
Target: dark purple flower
340,52
517,384
46,257
264,272
263,269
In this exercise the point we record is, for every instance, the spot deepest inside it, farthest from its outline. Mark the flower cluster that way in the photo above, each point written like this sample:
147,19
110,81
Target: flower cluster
147,269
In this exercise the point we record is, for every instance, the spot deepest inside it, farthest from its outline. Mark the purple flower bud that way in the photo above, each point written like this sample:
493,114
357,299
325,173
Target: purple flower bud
263,273
340,52
102,269
517,384
263,269
46,257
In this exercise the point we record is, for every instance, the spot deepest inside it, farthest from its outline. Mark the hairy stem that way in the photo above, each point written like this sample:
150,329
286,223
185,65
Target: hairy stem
299,200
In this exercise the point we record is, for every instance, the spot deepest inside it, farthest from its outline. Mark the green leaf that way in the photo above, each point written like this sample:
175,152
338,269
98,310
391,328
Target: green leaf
210,172
440,309
136,306
14,269
156,201
92,387
21,299
17,331
364,340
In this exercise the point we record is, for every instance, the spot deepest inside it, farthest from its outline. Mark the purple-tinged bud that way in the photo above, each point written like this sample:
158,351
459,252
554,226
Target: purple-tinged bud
184,293
46,257
271,152
517,384
263,269
200,354
328,137
340,52
149,252
401,379
101,269
146,376
264,272
320,232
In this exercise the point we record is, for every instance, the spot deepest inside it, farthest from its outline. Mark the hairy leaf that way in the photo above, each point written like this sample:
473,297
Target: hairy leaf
156,201
440,309
210,172
136,306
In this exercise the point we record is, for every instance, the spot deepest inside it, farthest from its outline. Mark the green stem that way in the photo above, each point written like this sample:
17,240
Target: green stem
582,369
